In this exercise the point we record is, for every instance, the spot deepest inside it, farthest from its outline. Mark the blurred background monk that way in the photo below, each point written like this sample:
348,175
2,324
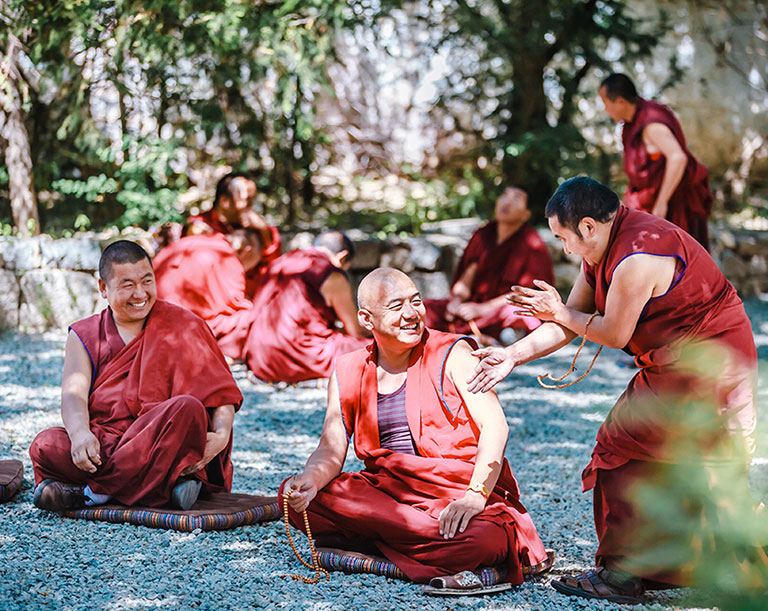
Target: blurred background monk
233,208
147,401
665,179
436,496
505,252
293,334
657,294
206,274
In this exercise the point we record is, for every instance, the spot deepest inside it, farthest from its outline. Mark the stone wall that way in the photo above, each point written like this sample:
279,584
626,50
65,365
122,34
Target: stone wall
48,284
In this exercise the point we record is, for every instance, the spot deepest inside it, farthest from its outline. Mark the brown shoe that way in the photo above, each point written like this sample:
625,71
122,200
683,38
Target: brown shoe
58,496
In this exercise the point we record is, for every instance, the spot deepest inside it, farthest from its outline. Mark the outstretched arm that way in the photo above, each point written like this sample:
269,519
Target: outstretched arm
487,414
327,460
338,295
497,363
75,387
657,137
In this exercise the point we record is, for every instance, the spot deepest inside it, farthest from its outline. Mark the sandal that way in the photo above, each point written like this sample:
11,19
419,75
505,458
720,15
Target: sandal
540,568
603,584
465,583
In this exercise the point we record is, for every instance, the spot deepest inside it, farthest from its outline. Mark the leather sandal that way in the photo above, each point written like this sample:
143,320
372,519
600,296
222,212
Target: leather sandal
465,583
603,584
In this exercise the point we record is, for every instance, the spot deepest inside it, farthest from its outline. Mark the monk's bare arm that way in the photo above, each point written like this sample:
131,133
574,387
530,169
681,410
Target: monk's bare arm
217,439
497,363
75,388
338,295
635,281
487,414
657,137
326,462
462,288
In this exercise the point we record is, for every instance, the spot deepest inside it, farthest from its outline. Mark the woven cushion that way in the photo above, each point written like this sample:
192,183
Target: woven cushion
219,511
354,562
11,476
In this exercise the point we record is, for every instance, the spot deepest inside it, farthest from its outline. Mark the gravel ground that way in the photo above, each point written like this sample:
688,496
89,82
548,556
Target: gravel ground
54,563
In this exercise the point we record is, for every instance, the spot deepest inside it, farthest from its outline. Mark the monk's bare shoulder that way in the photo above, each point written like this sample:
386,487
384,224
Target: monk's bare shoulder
460,359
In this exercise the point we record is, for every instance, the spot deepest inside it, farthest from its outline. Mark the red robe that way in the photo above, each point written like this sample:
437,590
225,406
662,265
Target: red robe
149,408
691,202
519,260
270,239
647,428
292,335
203,274
395,502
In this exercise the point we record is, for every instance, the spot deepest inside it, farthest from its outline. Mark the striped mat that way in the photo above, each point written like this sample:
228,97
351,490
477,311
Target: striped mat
220,511
11,477
353,562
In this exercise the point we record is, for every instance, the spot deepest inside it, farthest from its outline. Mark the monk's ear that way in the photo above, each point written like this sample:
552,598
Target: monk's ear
587,227
103,288
365,319
345,261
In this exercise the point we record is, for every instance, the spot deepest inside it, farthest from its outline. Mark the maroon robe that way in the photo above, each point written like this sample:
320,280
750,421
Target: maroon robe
519,260
203,274
270,240
292,335
691,202
395,502
647,428
149,407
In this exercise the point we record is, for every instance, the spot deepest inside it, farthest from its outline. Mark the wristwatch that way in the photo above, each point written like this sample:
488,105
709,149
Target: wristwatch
479,487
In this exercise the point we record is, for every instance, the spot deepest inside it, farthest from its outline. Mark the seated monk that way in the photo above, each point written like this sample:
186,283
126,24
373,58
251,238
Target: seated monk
293,334
233,208
206,275
503,253
436,496
686,421
147,401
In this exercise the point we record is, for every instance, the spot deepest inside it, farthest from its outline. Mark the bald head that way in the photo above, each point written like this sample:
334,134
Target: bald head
375,288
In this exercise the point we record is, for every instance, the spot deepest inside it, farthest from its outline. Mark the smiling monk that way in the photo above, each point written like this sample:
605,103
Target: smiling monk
436,496
147,401
648,287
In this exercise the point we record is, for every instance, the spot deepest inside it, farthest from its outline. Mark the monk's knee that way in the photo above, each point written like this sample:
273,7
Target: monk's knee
190,409
50,447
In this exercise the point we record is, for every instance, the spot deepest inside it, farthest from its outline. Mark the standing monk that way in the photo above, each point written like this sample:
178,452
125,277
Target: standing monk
436,496
664,177
147,401
293,335
233,208
207,275
658,295
505,252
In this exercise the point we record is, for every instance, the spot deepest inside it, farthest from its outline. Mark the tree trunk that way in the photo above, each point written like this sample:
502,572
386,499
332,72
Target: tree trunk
18,158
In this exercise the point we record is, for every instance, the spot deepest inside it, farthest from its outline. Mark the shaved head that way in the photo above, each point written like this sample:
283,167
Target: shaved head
375,287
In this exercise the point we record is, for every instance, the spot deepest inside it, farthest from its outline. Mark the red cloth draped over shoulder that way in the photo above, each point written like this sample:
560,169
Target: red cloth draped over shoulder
175,354
203,274
701,310
446,438
271,248
691,203
292,336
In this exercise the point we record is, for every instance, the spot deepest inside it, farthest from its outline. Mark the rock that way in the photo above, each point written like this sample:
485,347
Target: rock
432,285
367,254
750,244
21,254
424,255
733,267
9,300
81,253
725,238
397,257
453,227
55,298
758,265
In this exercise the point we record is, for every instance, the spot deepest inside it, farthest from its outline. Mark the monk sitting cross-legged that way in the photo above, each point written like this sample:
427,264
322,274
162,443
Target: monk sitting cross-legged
505,252
293,335
147,401
436,496
207,275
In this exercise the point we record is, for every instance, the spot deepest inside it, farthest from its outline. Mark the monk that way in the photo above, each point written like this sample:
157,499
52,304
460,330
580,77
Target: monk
436,496
656,293
306,293
665,179
505,252
233,208
147,401
207,275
